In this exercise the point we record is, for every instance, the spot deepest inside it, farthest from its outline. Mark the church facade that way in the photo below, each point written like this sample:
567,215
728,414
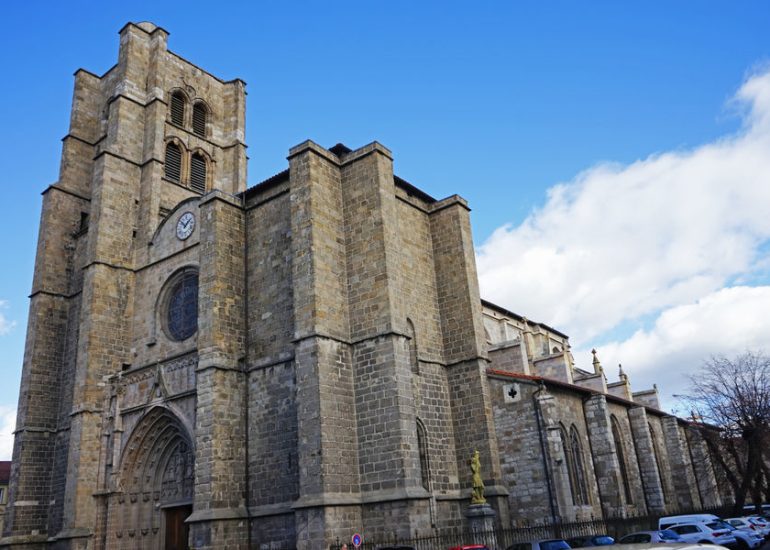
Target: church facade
212,365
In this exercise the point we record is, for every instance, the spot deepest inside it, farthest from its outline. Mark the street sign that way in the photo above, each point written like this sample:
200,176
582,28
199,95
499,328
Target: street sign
356,540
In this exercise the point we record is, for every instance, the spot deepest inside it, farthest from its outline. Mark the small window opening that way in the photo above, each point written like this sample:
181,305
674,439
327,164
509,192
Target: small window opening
422,447
199,119
177,108
173,168
414,362
198,173
83,221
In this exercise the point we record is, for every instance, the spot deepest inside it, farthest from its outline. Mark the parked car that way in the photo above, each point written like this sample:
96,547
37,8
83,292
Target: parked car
744,538
666,522
761,524
549,544
661,536
590,540
471,547
702,533
753,523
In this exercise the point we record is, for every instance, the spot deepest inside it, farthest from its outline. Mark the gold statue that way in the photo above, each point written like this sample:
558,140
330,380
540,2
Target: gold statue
477,495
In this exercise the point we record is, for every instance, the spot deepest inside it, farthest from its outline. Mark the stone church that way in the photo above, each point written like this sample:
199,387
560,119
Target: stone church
213,365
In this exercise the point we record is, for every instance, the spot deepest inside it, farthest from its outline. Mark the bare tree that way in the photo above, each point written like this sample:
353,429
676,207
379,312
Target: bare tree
731,397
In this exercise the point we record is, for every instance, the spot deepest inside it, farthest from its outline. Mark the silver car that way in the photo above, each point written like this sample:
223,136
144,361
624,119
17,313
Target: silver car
705,533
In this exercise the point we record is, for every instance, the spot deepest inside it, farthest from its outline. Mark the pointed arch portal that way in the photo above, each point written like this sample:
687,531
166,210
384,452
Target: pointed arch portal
155,485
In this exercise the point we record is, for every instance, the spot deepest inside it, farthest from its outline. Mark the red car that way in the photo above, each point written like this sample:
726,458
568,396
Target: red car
471,547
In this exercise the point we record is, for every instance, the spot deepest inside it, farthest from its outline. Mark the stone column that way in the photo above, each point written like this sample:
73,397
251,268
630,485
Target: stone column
679,462
648,465
605,458
220,517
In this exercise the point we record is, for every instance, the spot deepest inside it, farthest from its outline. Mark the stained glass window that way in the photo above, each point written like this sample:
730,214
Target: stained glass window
183,306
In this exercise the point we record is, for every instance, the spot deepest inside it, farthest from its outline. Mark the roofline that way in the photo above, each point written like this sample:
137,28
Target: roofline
412,190
508,312
579,389
269,183
280,177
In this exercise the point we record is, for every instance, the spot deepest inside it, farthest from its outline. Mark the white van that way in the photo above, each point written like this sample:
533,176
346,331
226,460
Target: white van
665,523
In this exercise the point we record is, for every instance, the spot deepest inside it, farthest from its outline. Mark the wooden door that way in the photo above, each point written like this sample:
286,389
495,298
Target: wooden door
176,529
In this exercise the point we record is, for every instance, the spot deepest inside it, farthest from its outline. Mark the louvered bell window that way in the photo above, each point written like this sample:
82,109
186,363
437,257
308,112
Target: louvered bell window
173,169
199,119
177,108
198,174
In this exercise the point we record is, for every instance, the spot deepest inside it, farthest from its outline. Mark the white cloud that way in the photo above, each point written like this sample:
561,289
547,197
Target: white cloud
5,324
7,425
619,242
726,322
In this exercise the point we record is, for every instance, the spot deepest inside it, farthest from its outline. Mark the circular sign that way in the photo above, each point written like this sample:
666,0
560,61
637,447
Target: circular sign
356,540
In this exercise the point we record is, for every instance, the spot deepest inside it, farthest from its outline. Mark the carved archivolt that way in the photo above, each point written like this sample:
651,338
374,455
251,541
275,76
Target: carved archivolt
156,470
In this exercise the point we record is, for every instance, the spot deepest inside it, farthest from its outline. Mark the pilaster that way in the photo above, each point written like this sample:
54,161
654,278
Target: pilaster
220,516
465,348
326,414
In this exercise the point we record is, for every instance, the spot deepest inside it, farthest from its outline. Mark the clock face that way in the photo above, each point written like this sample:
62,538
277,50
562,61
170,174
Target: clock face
185,225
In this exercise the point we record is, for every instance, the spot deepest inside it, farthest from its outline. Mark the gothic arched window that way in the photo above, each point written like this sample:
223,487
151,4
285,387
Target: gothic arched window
178,106
621,460
576,450
200,115
198,173
568,461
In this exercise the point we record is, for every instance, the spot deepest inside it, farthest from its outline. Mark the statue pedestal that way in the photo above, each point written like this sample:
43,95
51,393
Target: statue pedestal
481,524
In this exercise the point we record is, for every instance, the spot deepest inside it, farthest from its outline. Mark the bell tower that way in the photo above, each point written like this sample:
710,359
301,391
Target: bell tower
153,131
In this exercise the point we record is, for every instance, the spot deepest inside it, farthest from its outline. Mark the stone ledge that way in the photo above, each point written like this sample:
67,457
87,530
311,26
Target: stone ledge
270,510
452,200
372,497
23,540
74,533
218,194
218,514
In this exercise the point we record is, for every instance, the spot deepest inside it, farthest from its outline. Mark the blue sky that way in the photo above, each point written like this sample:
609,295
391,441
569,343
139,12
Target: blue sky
498,102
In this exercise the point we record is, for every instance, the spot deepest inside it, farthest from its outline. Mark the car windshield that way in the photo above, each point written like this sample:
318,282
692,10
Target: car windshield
720,525
554,545
668,534
601,540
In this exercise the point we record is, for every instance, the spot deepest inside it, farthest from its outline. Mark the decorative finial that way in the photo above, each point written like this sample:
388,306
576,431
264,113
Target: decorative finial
597,364
621,374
